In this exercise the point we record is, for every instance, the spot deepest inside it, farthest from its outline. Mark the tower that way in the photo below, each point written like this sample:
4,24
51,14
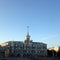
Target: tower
27,36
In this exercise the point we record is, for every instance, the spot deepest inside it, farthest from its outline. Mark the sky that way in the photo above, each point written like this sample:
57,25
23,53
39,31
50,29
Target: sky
42,17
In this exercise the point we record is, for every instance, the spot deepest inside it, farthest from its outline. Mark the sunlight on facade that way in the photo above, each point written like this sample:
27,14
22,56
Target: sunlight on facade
4,44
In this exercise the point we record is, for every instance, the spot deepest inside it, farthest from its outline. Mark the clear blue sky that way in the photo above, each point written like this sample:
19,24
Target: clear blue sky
43,17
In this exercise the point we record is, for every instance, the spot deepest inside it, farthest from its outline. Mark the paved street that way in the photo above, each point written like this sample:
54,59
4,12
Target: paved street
42,58
14,58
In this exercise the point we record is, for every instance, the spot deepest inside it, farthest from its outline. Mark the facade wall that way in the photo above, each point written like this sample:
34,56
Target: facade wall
33,48
28,47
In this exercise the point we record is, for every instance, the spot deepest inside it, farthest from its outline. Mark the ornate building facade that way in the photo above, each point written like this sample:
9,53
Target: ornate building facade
25,48
28,47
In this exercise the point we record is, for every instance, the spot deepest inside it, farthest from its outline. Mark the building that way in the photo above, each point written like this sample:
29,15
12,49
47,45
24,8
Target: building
26,48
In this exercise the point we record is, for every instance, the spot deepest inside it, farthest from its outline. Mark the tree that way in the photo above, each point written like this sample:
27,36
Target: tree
58,53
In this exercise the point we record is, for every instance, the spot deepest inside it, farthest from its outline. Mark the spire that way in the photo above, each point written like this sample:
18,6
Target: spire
28,36
27,30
